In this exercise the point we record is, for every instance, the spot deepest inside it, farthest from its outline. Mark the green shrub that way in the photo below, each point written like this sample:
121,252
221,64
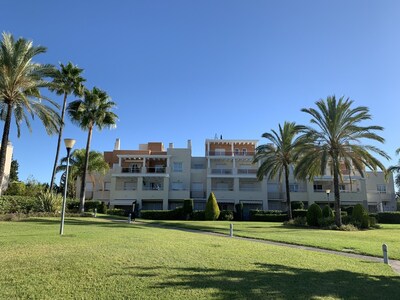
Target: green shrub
175,214
18,204
49,201
116,212
72,205
212,210
187,207
298,222
226,215
348,227
327,212
313,214
360,216
199,215
348,209
91,205
238,215
389,217
299,213
326,222
268,216
297,205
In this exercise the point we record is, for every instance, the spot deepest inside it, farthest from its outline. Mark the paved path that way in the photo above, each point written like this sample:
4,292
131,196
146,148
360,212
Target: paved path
395,264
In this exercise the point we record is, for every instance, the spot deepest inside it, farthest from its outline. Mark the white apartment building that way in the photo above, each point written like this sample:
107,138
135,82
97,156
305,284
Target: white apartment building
159,179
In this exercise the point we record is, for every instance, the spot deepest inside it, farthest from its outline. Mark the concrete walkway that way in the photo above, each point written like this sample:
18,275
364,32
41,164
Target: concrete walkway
395,264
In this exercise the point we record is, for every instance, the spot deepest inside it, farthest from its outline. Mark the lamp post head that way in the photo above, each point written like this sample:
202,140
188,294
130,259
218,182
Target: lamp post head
69,143
328,191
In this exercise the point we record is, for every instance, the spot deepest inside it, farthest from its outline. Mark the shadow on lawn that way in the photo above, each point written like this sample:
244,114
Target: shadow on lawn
276,281
86,222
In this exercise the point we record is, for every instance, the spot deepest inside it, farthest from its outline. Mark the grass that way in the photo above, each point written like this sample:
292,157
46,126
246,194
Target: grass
368,242
101,259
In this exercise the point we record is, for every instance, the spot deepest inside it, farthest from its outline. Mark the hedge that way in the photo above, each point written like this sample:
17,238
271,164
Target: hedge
176,214
226,215
268,216
198,215
299,213
18,204
388,217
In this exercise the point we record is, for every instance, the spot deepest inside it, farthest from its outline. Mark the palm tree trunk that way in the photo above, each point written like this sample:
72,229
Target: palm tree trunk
338,217
288,193
53,175
4,143
83,179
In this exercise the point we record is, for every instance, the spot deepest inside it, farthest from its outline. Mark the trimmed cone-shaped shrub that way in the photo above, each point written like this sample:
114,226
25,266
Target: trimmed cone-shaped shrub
313,214
212,210
327,212
360,216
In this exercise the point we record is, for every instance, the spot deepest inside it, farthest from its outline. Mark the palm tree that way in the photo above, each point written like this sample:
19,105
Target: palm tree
277,156
66,81
93,111
20,82
337,142
97,164
396,169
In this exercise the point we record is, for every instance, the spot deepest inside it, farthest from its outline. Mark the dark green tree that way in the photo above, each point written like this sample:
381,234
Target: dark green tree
14,171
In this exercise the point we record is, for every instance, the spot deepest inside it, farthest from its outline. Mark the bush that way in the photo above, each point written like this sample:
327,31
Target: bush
238,215
226,215
187,208
327,212
18,204
348,227
389,217
326,222
116,212
297,205
50,202
360,216
91,205
268,216
72,205
299,213
175,214
212,210
313,214
298,222
348,209
199,215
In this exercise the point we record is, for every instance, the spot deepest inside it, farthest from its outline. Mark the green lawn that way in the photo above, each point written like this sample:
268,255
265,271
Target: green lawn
367,242
100,259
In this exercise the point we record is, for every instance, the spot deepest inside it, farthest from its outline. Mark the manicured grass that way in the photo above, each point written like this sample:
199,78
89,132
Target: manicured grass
100,259
367,242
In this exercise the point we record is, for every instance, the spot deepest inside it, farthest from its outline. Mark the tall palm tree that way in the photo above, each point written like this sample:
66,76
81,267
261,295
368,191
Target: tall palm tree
277,156
20,82
337,140
97,164
66,81
93,111
396,169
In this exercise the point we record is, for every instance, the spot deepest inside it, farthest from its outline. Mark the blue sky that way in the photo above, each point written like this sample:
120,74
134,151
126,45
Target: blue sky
182,70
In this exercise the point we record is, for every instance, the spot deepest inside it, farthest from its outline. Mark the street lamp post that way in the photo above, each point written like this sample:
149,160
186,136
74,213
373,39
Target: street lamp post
69,143
328,191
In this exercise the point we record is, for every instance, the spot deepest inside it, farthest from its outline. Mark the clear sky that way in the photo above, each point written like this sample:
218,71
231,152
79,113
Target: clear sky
182,70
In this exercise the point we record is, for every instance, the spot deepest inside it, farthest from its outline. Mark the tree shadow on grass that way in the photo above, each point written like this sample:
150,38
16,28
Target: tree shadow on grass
277,282
85,222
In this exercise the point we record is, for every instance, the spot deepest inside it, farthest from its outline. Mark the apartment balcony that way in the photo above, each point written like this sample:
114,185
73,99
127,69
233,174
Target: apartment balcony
230,153
221,171
140,171
198,194
276,196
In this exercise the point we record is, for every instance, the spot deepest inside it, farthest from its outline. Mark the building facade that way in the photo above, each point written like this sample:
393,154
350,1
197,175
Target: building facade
159,179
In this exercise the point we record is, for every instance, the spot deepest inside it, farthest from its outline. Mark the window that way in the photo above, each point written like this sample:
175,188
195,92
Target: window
107,186
159,169
342,187
89,186
318,187
237,151
177,186
219,152
177,167
244,151
293,187
381,188
128,186
197,186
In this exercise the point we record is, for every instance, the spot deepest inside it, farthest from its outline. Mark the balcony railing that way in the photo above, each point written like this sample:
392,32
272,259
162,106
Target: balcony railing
131,170
221,171
155,170
222,188
250,189
156,187
230,153
198,194
247,171
275,195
